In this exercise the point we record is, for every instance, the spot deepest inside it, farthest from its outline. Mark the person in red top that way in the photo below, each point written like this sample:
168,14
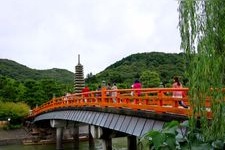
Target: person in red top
85,94
137,85
178,94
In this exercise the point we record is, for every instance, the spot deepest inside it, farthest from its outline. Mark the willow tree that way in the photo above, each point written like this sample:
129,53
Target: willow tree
202,29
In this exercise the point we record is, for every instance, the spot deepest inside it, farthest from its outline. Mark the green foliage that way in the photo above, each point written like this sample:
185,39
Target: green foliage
175,135
32,92
15,111
38,92
125,71
202,28
150,79
19,83
164,139
10,90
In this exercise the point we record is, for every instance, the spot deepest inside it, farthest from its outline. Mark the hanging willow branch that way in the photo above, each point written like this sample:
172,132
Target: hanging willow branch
202,30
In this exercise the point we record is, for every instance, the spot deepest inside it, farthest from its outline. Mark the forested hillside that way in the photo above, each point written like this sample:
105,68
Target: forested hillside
20,72
125,71
19,83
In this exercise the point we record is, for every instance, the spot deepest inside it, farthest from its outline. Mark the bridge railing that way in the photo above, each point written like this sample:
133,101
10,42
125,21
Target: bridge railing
158,100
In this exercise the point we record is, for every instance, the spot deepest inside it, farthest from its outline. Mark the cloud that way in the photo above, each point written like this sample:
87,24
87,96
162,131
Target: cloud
51,33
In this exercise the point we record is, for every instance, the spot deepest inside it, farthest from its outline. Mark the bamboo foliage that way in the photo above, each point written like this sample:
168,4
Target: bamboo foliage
202,30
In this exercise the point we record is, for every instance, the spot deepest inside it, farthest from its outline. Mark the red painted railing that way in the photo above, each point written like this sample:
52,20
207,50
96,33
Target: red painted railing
158,100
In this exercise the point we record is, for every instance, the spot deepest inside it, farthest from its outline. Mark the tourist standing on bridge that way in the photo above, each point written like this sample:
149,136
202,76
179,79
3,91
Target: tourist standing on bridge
114,93
66,97
98,91
85,91
108,87
178,94
137,85
137,91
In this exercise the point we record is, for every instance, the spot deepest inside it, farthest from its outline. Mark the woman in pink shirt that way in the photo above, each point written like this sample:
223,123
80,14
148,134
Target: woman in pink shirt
178,94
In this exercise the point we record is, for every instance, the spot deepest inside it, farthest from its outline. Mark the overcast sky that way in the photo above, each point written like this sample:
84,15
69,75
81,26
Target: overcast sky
45,34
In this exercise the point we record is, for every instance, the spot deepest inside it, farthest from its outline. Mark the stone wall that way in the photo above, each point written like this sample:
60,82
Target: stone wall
12,136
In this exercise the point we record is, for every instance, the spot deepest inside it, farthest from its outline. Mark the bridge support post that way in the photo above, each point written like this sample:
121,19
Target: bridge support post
132,142
107,143
76,136
91,139
59,125
59,135
106,136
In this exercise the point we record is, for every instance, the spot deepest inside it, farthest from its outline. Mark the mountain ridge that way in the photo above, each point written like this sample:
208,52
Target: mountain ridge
20,72
123,71
126,70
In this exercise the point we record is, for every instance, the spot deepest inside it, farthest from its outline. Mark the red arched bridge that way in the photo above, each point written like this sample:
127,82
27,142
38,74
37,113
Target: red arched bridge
114,113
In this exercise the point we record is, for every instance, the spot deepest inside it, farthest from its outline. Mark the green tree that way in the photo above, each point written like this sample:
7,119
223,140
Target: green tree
51,88
10,89
150,79
202,29
15,111
34,94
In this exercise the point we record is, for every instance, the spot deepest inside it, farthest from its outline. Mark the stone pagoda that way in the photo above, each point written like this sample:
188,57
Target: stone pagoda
79,77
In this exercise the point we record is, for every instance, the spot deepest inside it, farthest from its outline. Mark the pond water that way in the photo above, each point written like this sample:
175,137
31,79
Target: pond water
118,144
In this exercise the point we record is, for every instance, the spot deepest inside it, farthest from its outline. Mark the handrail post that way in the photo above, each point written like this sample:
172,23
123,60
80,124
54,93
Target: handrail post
118,99
160,94
135,98
103,95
